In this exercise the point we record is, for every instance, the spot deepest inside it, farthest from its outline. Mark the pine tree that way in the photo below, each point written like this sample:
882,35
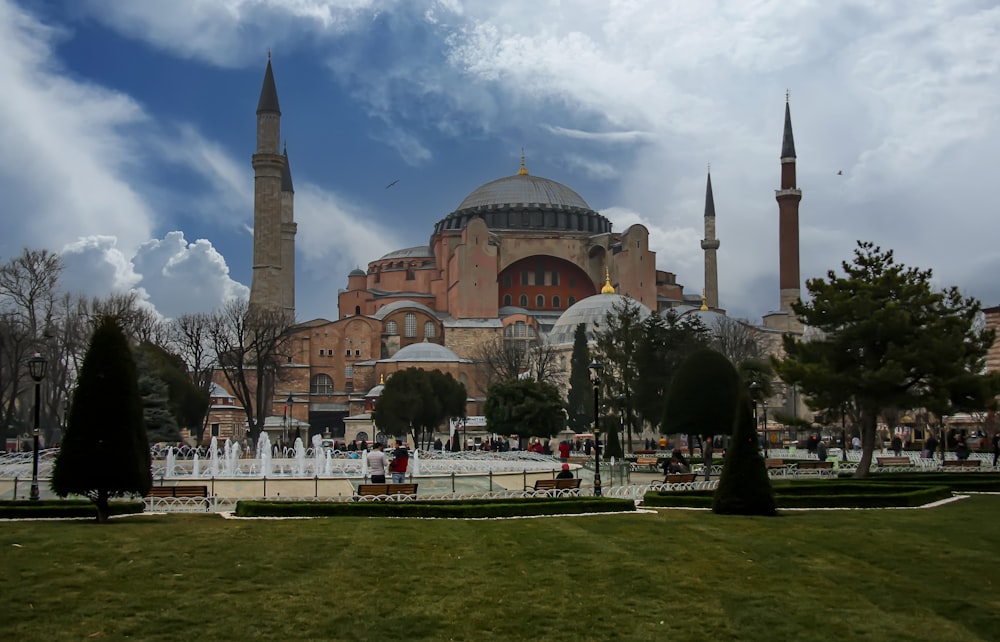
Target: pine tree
744,487
104,451
156,413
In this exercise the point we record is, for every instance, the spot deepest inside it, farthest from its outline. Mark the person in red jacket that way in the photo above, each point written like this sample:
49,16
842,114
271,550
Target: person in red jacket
564,450
400,459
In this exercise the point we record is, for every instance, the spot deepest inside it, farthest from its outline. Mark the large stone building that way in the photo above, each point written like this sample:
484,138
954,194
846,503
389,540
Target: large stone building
519,257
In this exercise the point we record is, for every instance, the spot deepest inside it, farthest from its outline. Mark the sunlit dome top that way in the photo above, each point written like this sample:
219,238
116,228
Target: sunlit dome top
590,311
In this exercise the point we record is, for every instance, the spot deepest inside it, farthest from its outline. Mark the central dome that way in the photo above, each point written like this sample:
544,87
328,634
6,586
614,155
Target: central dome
523,189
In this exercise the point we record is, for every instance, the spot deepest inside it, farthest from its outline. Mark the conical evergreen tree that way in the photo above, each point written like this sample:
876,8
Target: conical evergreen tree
580,398
612,445
104,452
744,487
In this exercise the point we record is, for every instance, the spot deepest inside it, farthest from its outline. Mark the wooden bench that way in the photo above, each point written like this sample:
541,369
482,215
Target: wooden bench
774,463
178,491
961,463
557,484
893,461
680,478
389,490
649,463
810,464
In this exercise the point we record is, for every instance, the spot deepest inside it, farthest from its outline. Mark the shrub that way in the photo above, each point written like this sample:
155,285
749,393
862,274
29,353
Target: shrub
744,486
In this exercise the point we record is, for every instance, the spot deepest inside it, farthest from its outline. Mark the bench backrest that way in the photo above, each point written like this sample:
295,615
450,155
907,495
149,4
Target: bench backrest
557,484
963,463
178,491
893,461
774,463
369,490
815,464
680,478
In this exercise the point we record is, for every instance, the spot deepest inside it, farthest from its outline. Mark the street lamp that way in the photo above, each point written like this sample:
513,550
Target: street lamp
763,404
36,367
288,418
596,368
754,393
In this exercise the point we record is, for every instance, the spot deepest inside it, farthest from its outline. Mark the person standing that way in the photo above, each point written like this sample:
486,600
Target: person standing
376,464
564,450
821,450
896,445
400,460
930,446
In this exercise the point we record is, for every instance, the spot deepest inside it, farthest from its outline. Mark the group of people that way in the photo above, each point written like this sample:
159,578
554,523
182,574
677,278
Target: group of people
396,464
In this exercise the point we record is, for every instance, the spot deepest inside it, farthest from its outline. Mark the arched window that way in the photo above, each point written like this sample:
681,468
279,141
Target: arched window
523,301
507,300
555,301
571,300
429,330
321,385
349,372
520,330
410,325
539,301
357,310
391,328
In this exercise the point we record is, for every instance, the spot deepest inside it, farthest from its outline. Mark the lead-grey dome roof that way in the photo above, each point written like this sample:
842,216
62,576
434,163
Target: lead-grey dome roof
523,189
590,311
425,351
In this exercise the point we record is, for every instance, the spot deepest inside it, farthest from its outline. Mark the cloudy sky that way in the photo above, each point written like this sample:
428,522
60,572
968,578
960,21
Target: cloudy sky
128,127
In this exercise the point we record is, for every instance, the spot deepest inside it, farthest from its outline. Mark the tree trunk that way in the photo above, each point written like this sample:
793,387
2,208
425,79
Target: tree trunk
103,510
869,419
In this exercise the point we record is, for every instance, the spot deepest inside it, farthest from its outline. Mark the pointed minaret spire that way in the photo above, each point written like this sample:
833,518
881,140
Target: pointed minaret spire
710,244
788,197
286,173
268,102
788,141
524,170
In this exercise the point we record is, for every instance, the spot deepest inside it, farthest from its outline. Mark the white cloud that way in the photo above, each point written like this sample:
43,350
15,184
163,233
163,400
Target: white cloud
96,267
67,146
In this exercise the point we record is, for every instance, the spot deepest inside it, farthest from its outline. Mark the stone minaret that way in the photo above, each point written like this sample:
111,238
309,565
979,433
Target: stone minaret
788,198
288,229
273,235
710,244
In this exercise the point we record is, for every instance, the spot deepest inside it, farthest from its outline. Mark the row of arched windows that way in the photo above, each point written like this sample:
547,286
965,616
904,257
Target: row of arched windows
539,301
410,327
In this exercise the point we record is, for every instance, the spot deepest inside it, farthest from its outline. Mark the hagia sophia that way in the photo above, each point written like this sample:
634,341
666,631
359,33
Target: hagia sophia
521,257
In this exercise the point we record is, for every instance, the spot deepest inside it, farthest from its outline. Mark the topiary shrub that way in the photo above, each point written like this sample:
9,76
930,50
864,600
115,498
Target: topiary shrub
744,487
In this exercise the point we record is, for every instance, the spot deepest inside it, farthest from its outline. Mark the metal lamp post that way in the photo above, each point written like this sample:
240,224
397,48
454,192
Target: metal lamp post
288,419
763,404
36,367
754,393
596,368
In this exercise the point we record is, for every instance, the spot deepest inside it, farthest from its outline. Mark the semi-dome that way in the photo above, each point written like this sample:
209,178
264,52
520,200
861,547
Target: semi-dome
424,351
590,311
522,189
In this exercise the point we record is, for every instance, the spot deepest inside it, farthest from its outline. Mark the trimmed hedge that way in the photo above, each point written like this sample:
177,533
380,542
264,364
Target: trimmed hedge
958,482
474,508
51,508
821,494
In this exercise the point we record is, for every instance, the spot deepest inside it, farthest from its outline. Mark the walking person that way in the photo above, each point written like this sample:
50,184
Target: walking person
376,464
996,447
821,450
400,460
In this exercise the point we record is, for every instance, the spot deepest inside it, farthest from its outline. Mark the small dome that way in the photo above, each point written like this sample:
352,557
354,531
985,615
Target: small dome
589,311
357,272
523,189
419,251
425,351
376,391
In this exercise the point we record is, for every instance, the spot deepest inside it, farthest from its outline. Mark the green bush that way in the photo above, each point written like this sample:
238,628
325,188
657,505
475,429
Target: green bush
18,509
744,486
821,494
479,508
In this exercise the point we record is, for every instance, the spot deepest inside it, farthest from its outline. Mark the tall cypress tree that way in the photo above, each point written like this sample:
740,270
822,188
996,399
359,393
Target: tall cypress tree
580,399
104,451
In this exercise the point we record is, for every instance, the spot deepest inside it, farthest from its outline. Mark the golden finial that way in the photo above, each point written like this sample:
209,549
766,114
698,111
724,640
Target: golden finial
381,379
704,301
608,288
524,170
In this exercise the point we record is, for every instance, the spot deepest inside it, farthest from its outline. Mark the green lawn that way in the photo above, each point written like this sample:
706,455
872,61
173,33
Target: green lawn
679,575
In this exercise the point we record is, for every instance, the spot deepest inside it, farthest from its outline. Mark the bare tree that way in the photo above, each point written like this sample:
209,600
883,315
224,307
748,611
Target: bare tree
191,339
138,320
250,345
737,340
503,359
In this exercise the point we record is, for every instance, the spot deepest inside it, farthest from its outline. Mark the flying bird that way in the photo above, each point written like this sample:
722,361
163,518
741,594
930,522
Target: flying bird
392,183
840,172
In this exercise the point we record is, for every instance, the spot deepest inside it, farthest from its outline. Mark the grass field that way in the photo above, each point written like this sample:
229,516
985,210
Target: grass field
928,574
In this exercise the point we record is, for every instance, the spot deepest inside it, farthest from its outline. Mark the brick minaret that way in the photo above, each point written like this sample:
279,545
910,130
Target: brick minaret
788,198
710,244
270,232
